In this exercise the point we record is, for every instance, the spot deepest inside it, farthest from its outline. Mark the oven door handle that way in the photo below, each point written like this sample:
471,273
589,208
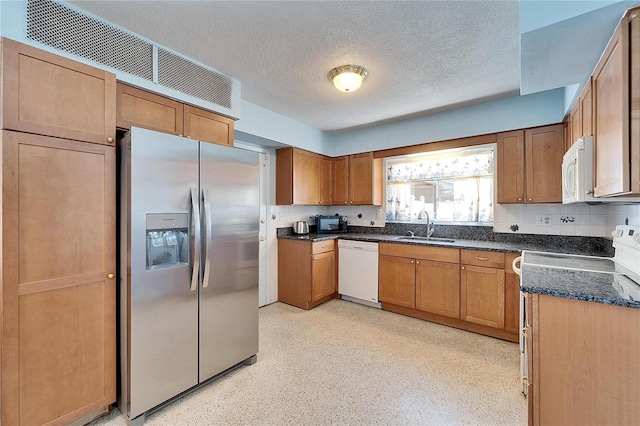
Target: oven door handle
517,260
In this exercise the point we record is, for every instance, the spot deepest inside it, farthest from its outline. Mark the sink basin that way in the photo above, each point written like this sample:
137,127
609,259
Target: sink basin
425,239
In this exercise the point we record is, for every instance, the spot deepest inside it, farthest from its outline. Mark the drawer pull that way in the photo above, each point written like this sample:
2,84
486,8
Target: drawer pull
484,259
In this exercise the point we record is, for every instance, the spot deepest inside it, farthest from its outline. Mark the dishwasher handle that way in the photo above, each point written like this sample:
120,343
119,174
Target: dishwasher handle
358,245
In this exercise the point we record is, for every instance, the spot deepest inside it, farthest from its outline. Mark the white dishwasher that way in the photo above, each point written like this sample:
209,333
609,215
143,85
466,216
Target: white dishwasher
358,272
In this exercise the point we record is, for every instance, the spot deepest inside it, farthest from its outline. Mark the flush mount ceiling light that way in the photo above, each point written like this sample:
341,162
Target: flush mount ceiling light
347,78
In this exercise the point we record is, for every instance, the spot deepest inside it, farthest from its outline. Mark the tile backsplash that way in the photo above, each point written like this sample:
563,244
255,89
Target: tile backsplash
558,219
546,219
283,216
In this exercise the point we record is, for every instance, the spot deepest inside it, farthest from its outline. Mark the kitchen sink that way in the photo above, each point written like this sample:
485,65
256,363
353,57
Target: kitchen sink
425,239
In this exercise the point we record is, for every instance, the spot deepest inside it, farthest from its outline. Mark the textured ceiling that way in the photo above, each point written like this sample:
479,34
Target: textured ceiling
422,56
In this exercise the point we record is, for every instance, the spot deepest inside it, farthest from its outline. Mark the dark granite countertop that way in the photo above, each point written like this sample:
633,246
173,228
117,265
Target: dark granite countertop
512,247
570,284
580,285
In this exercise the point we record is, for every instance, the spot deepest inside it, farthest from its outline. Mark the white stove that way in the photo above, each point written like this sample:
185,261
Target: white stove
626,261
624,269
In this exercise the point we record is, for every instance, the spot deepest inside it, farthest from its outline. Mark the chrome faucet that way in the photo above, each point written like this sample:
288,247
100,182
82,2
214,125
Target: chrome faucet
411,234
431,227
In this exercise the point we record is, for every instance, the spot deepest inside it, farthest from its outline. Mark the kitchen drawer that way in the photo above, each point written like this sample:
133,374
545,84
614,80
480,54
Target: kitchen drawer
323,246
439,254
488,259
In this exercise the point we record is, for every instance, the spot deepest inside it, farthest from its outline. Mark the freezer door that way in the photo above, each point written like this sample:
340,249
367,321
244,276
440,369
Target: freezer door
162,359
230,186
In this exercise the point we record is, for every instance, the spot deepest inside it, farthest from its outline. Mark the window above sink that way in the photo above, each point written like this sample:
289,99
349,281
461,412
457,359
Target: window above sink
452,186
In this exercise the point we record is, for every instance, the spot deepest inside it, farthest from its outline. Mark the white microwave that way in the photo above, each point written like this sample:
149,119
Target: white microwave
577,172
577,176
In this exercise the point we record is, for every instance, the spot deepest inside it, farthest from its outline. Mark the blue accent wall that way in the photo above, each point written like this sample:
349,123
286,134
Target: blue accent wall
497,116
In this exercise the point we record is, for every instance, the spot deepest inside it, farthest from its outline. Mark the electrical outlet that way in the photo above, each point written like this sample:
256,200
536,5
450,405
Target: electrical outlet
543,220
379,213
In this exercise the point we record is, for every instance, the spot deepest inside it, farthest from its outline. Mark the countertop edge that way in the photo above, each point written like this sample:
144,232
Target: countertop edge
459,243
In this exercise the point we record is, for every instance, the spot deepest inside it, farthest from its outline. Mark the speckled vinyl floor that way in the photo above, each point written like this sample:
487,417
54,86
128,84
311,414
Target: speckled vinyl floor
347,364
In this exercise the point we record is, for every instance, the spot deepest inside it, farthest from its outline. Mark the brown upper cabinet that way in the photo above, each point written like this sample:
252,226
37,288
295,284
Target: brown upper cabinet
326,180
357,180
616,112
307,178
580,122
510,167
341,180
586,110
140,108
207,126
529,165
49,95
298,177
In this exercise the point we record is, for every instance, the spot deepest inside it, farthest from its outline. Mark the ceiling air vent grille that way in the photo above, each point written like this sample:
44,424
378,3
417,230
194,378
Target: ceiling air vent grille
58,26
188,77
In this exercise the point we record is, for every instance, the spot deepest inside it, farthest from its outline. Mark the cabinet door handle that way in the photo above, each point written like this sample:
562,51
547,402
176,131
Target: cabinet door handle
530,199
417,262
110,139
462,267
484,259
519,199
110,276
412,261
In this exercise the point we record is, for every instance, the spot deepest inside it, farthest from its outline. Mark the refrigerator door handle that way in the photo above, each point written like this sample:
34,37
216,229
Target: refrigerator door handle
207,232
195,220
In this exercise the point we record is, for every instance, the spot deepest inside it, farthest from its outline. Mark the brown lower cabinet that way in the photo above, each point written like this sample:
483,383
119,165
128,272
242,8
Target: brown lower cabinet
397,280
460,288
583,363
58,288
511,295
306,272
482,288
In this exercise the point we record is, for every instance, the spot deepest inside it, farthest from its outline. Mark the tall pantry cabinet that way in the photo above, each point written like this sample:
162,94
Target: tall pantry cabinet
58,238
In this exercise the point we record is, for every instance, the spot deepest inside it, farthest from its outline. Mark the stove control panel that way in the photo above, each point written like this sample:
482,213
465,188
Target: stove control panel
626,241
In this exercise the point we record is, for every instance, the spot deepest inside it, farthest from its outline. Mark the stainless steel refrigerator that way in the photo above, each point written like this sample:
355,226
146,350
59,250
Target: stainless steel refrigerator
188,267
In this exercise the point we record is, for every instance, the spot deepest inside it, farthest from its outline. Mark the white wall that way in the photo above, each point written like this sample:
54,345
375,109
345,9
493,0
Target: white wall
570,219
616,215
579,219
